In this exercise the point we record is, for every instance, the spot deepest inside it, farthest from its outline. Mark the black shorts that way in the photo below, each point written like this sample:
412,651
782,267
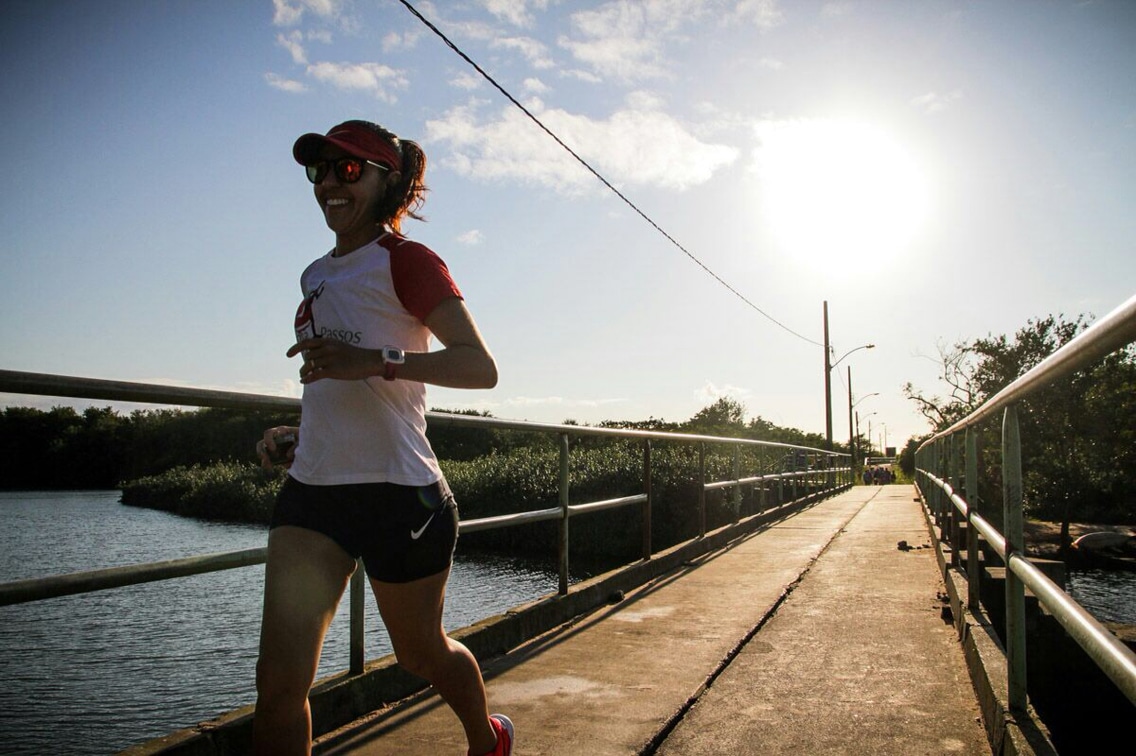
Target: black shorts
403,533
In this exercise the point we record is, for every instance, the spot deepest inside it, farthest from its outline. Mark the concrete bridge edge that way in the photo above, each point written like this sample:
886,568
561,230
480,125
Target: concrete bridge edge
341,699
1010,733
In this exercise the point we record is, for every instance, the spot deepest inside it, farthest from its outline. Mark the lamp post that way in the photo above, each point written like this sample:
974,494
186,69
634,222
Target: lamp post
869,428
828,366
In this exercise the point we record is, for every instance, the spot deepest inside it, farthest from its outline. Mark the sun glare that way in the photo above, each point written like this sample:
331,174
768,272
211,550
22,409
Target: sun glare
837,194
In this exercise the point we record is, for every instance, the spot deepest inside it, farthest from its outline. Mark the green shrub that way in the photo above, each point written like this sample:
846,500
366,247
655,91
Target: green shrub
230,491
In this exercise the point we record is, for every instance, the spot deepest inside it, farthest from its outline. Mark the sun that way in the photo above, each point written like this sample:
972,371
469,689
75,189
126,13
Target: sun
837,193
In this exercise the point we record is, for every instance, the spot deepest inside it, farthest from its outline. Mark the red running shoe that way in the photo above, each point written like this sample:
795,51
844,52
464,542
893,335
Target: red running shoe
504,729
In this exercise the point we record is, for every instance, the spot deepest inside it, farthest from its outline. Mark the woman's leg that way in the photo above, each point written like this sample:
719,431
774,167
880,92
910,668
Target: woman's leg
412,613
306,575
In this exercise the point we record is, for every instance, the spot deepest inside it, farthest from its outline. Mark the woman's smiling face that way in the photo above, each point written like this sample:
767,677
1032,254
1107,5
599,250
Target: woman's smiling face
349,208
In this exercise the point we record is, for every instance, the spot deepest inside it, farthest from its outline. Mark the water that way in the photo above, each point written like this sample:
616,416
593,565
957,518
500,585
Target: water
1109,595
98,672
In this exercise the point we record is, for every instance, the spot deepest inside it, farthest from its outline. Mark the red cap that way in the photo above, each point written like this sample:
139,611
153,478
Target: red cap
353,138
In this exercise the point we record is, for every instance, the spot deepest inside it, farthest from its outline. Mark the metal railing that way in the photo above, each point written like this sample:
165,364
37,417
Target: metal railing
824,472
948,462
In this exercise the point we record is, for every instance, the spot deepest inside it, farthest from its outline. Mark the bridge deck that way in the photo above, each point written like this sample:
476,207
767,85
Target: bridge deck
815,635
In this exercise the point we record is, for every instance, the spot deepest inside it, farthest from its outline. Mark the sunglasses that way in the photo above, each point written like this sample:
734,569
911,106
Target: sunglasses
348,170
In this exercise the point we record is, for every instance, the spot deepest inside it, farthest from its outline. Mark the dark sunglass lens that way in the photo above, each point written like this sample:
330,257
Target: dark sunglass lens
349,170
317,171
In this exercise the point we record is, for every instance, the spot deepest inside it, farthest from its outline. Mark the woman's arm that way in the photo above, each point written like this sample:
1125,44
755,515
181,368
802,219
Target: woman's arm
463,362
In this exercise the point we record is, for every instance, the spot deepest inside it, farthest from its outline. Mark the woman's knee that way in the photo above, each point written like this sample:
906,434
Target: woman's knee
425,658
279,682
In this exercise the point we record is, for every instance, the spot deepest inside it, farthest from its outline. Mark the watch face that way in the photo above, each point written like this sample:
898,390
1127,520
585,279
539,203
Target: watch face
393,355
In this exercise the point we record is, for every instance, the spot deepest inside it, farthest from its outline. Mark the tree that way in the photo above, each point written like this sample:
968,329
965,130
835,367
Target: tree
725,417
1077,432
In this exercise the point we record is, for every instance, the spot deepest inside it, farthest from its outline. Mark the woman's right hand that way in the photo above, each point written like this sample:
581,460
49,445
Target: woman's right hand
278,447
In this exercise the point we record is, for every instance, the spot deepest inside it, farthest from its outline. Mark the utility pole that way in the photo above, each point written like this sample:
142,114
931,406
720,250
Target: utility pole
827,383
851,438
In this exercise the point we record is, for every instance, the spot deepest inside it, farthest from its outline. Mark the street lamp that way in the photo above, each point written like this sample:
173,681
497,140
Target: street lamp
828,366
869,428
854,434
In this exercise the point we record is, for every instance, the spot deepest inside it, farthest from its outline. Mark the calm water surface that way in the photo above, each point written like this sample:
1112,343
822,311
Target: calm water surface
96,673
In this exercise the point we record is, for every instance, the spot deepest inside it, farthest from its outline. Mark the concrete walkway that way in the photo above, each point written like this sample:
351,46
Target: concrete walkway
815,635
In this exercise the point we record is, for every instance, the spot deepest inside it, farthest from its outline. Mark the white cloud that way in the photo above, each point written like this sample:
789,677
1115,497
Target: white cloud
286,13
617,40
933,102
532,50
642,147
535,86
626,39
710,392
393,41
473,237
293,43
771,63
286,85
375,78
585,76
835,9
467,81
515,12
765,14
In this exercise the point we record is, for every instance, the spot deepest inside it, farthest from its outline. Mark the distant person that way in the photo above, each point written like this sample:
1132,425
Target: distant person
867,476
363,480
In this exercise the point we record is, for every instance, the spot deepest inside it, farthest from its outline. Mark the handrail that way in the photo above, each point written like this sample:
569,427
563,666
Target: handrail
45,384
939,459
34,589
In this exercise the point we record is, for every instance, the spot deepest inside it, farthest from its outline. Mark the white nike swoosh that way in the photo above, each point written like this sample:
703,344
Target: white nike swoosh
416,534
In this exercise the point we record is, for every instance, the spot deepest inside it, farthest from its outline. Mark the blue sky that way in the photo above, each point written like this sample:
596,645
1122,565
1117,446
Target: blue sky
935,171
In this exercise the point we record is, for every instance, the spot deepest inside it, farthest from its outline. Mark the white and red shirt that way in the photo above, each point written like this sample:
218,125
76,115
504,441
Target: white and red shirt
371,430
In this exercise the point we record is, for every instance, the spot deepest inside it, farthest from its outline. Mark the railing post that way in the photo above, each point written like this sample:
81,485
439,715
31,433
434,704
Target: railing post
737,495
563,588
940,497
973,568
1015,591
780,488
647,503
358,604
761,482
701,488
956,486
793,469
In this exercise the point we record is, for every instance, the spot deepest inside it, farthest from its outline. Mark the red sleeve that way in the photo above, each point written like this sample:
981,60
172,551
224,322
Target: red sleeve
421,279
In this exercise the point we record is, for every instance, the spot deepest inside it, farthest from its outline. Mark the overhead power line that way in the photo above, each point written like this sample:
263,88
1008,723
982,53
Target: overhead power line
597,174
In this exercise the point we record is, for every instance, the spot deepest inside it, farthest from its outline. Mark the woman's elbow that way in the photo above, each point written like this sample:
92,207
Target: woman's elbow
487,377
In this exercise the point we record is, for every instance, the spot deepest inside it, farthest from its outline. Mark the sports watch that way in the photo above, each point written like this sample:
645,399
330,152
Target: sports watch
392,357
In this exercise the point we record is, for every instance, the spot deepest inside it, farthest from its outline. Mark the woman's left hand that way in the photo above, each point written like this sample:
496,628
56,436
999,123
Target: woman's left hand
328,358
